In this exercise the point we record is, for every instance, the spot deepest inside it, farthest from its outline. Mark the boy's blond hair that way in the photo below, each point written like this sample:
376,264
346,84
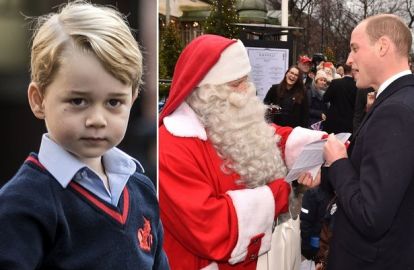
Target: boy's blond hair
100,30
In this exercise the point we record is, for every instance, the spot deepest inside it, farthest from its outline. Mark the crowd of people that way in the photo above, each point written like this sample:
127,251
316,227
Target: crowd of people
224,155
317,95
218,160
215,145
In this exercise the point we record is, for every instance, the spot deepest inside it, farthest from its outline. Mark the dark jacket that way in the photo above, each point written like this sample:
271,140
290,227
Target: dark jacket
374,223
292,113
316,106
314,209
341,97
360,106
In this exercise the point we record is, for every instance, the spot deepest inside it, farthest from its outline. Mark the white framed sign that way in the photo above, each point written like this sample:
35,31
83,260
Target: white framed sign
268,67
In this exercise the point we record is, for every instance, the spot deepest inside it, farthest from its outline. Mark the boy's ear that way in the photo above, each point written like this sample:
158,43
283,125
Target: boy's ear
36,100
134,96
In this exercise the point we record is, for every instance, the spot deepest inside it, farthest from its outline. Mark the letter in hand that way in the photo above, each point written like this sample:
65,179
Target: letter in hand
333,150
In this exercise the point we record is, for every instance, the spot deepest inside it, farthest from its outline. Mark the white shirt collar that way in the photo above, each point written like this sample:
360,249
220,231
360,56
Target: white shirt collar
63,165
392,79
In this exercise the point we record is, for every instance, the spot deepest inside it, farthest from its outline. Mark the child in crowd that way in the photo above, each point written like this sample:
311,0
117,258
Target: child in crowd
81,203
316,223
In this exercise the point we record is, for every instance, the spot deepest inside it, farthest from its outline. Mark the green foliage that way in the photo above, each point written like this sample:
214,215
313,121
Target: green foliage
163,89
170,49
330,55
223,15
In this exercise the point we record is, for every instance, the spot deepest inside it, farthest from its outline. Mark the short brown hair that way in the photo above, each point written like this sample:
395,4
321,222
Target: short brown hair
393,27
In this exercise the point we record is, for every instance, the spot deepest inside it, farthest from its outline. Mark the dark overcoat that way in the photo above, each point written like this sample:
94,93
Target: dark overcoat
374,223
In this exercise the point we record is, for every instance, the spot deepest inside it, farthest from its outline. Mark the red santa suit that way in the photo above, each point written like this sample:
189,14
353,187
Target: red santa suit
210,221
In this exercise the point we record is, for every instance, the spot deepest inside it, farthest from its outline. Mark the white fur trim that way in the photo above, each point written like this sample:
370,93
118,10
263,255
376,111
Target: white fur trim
211,266
232,65
255,209
183,122
298,138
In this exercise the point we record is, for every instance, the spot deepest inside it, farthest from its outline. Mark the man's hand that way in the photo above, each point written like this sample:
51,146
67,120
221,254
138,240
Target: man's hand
307,180
333,150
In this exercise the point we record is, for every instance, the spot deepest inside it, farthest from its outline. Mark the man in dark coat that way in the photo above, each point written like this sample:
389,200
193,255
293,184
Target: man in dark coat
341,95
374,180
362,104
305,65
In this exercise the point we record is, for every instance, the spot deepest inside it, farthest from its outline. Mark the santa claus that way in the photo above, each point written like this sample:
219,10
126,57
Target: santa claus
221,164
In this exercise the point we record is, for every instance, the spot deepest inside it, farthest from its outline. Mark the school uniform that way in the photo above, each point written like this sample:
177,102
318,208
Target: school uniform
54,215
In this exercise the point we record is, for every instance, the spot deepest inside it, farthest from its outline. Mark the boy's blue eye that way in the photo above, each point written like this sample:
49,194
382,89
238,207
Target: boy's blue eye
77,101
114,102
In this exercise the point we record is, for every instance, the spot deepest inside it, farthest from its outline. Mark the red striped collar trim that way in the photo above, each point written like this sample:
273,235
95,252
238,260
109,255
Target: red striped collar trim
121,218
34,160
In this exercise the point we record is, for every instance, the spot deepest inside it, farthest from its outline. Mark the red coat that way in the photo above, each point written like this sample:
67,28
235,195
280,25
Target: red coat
210,222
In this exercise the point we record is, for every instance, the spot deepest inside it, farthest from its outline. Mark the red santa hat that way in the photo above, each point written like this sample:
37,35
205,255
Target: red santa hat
208,59
328,65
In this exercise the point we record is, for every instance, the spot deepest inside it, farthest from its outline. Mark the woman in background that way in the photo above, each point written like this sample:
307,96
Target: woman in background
287,100
317,107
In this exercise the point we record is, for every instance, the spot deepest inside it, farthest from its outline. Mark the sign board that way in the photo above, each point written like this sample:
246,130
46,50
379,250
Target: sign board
268,67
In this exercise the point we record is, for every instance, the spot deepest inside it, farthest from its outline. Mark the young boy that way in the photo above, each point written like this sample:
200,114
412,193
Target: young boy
81,203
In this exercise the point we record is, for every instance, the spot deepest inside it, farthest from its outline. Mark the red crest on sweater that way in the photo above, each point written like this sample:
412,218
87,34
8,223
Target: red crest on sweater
145,236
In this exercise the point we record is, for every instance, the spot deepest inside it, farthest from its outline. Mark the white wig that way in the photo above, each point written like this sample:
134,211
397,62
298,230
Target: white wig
235,124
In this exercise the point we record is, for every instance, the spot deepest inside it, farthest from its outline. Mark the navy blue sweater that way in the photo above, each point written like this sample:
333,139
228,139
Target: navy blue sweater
45,226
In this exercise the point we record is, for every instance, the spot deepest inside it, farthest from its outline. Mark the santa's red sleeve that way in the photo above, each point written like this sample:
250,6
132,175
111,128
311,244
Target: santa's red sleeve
216,226
292,141
210,216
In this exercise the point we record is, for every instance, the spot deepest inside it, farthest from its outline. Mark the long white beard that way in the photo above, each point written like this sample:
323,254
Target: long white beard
235,124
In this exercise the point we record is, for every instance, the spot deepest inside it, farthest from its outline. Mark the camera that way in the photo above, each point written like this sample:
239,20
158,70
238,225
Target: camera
316,59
